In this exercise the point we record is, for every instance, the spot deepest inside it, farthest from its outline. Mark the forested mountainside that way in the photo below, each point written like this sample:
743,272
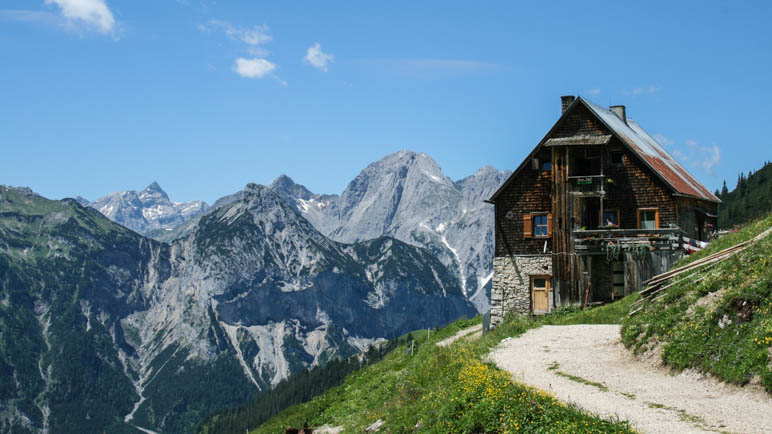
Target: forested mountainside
751,198
104,329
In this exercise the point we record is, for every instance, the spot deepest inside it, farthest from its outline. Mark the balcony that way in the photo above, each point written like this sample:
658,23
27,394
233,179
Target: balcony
588,186
595,241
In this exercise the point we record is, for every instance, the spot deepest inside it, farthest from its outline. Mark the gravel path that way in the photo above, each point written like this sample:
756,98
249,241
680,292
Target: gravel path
476,329
651,398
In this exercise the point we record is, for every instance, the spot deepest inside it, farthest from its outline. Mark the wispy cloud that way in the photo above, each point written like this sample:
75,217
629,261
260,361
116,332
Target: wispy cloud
650,89
593,92
28,16
318,58
680,155
699,156
86,15
706,157
432,67
254,38
664,140
255,35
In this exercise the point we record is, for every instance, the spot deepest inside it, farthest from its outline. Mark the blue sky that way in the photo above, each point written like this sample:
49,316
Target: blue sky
107,95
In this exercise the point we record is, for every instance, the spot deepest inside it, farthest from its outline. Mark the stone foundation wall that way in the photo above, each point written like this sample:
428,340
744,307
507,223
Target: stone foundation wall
512,283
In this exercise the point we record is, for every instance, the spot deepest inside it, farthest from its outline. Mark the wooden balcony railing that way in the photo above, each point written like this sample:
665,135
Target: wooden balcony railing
596,239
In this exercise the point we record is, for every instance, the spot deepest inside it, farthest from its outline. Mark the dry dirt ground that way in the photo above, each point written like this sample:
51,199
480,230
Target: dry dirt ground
588,366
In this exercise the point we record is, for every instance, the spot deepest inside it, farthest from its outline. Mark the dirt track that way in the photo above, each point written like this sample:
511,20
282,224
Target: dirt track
651,398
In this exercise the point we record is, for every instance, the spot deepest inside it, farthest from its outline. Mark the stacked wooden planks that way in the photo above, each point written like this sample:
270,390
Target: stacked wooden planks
657,285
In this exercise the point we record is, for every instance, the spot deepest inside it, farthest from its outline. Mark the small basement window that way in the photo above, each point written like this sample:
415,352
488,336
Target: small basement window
617,158
648,218
540,225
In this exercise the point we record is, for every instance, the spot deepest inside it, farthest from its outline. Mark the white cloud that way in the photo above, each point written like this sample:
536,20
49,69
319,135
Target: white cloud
93,14
256,66
318,58
255,35
253,68
593,92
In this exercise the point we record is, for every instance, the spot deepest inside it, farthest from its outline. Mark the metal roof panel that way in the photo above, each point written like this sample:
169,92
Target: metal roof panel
640,142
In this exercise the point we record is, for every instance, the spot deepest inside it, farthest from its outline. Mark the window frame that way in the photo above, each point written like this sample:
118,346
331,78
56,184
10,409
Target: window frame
600,218
528,224
656,216
534,226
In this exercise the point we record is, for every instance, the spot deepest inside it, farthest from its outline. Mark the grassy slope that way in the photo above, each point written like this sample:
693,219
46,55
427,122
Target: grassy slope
729,332
452,389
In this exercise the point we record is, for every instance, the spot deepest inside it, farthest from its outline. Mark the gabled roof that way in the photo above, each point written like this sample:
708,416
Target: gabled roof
639,142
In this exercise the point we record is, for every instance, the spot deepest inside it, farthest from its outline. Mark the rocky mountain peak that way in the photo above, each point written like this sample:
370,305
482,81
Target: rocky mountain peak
404,163
146,210
265,205
154,187
286,187
153,191
257,196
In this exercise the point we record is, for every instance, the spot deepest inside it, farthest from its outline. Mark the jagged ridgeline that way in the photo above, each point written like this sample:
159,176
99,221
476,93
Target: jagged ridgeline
404,195
102,329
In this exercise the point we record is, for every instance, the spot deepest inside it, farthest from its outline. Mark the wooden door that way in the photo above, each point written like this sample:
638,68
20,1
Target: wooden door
540,294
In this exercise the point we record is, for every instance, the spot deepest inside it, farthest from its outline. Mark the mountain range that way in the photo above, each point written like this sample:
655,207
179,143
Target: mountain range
405,196
146,210
102,328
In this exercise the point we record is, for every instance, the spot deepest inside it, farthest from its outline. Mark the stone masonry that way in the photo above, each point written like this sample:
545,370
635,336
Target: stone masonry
512,283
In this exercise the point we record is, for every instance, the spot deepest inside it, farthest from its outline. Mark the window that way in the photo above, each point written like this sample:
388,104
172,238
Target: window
537,225
610,218
617,158
540,225
546,166
648,218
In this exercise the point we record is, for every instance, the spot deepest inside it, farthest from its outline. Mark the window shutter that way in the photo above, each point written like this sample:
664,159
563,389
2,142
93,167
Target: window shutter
527,226
549,225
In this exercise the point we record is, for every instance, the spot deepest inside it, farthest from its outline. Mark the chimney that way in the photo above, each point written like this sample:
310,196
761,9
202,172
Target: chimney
565,101
619,110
